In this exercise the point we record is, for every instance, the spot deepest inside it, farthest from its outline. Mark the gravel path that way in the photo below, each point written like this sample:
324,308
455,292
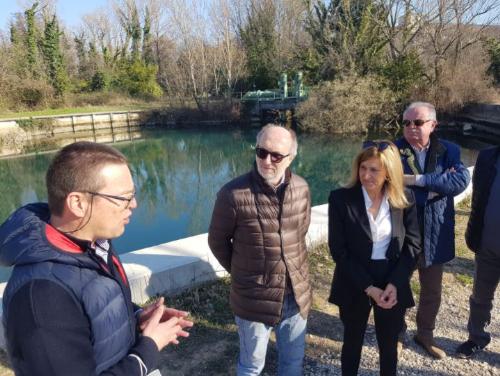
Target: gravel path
450,332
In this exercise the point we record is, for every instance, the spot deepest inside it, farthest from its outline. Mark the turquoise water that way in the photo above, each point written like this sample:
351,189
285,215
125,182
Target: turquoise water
178,173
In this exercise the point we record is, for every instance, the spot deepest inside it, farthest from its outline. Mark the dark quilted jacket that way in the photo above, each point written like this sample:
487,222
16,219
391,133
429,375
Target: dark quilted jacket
104,300
437,214
257,234
484,174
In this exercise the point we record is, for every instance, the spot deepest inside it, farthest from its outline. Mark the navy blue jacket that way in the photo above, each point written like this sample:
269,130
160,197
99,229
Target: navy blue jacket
437,214
66,311
485,172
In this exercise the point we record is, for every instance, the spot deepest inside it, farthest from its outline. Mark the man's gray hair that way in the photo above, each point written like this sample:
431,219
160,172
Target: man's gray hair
428,106
293,135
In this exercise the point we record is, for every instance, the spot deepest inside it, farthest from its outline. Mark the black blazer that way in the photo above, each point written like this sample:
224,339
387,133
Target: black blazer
350,242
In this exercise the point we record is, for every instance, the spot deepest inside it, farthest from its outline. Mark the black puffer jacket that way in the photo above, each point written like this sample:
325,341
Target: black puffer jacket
484,174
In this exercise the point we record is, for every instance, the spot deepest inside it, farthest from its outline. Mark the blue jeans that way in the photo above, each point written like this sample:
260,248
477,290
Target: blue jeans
290,338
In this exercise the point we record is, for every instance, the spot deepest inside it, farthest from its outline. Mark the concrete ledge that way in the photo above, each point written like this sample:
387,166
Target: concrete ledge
175,266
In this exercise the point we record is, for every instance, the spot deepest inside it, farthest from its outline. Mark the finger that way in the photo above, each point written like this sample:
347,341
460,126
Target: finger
183,333
144,324
155,317
185,323
170,324
176,312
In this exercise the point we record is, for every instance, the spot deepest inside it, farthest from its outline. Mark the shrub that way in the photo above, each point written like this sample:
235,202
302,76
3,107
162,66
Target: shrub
349,105
32,94
138,79
98,82
493,47
464,83
403,74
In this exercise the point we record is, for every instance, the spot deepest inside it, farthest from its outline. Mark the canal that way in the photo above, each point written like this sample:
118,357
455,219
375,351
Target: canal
177,174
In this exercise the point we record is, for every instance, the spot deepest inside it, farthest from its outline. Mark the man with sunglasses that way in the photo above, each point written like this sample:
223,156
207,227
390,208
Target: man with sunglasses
67,307
434,172
257,233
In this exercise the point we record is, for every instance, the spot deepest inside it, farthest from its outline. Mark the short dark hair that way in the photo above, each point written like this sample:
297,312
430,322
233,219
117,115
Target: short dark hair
76,168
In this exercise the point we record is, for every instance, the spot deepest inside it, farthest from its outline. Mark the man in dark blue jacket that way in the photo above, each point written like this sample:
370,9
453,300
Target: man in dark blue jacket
434,172
67,307
482,238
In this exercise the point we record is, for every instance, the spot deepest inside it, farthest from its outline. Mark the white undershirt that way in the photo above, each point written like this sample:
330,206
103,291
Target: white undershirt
380,227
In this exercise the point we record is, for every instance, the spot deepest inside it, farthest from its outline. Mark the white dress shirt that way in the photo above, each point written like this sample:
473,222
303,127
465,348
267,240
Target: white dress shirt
380,227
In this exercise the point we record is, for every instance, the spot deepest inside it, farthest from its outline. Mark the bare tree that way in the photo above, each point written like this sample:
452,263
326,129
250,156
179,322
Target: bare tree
228,55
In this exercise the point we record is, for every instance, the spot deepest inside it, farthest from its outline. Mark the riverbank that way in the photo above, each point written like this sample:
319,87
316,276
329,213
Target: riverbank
22,135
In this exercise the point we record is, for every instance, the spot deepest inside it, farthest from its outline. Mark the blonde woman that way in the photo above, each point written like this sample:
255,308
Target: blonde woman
374,240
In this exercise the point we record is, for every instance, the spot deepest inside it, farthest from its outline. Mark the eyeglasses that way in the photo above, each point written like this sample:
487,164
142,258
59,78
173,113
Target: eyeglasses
275,157
110,198
380,145
416,122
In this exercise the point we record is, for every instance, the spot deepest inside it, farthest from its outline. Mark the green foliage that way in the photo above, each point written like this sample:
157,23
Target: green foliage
138,79
15,38
465,279
493,48
99,82
259,41
403,73
31,38
35,124
347,36
53,57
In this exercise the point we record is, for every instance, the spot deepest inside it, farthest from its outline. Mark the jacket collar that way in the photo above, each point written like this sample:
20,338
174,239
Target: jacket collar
357,204
435,151
262,183
359,209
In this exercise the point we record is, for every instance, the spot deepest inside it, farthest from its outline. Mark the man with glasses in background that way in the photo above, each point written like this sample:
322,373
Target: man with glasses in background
434,172
257,233
67,307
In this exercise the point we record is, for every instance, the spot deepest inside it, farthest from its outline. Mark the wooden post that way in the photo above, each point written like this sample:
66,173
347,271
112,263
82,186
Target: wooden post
93,128
111,124
128,126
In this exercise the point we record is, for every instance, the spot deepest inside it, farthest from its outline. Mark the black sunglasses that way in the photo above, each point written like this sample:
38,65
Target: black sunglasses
275,157
128,200
416,122
380,145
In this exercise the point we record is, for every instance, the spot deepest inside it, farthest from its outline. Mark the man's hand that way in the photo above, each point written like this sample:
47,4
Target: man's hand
168,313
389,297
166,332
409,179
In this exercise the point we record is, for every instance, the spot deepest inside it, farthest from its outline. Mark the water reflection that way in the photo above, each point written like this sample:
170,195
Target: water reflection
177,174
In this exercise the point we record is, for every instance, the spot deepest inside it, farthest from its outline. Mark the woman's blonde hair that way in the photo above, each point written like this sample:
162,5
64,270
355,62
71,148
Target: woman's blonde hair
388,154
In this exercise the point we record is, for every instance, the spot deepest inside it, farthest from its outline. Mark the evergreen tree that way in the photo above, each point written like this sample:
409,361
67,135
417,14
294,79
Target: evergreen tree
347,35
493,48
53,57
259,41
31,39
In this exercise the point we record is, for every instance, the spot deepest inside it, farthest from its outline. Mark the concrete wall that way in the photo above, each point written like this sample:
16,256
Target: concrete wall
175,266
16,135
